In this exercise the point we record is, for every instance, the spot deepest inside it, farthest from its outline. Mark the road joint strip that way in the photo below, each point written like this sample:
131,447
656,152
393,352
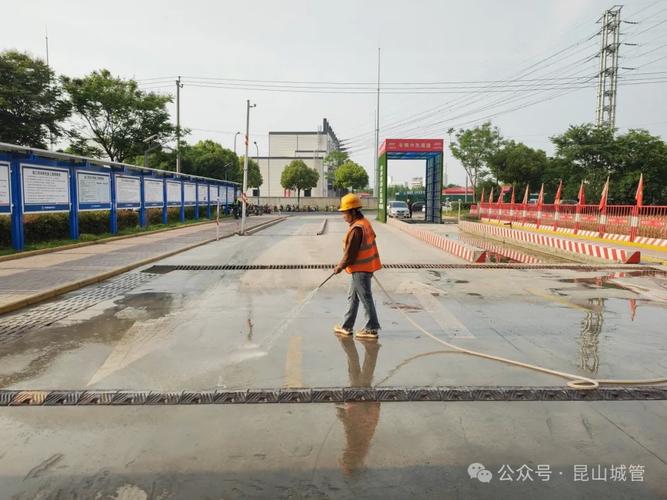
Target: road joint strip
326,395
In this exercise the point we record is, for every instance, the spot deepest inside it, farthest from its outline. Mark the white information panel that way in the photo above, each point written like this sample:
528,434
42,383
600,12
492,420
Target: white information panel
203,194
5,190
189,194
230,195
93,190
173,193
128,191
45,189
153,192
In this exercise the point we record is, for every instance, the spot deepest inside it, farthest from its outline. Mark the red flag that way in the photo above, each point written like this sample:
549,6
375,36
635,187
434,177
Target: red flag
500,196
482,195
491,196
582,194
540,197
605,193
639,195
513,201
559,192
525,195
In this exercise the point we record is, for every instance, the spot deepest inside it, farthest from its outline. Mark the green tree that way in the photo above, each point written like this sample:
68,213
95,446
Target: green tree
254,174
584,152
515,163
297,176
350,175
332,162
209,159
115,117
32,103
474,148
640,152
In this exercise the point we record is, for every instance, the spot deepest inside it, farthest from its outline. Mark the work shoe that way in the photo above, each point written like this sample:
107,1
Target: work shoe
367,334
342,331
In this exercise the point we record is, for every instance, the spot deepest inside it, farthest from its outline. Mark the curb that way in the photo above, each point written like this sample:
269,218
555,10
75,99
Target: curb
580,250
74,285
41,251
455,248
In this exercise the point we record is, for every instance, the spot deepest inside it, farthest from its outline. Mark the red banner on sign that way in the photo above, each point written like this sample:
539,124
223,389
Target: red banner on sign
411,145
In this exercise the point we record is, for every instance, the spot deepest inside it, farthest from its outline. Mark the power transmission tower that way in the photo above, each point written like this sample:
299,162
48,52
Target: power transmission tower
608,76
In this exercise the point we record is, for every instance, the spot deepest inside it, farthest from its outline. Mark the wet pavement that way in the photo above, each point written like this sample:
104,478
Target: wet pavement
208,330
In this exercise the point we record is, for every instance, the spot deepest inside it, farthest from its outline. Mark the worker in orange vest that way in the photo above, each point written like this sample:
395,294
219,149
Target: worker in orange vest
361,260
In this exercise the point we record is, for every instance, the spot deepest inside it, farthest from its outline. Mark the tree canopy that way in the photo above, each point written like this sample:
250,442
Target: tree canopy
298,176
350,175
114,116
474,148
32,103
254,175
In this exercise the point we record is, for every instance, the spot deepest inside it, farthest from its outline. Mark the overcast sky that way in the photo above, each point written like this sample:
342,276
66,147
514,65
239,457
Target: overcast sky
337,41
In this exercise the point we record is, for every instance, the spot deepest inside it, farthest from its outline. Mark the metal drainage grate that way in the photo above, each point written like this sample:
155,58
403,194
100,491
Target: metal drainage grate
162,269
326,395
50,312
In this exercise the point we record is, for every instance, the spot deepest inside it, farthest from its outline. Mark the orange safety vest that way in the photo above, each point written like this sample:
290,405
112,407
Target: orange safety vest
368,258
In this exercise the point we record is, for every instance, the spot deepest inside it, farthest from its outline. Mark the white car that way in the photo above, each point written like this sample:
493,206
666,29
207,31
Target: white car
398,209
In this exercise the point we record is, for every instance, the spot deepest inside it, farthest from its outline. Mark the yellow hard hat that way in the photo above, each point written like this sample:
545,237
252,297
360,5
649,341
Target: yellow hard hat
348,202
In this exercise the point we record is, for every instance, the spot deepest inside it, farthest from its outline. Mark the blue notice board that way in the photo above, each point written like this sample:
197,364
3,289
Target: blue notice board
93,190
128,191
5,189
45,189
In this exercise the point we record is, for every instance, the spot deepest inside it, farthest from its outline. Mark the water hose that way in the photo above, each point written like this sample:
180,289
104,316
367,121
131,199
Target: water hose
574,381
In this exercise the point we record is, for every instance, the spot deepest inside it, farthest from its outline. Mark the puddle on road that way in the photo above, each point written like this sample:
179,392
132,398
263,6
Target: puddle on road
31,353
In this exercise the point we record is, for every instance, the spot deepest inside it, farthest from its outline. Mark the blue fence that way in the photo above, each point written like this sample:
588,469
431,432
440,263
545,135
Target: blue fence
34,181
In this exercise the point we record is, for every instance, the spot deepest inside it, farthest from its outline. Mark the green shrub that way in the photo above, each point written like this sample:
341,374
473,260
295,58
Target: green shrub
154,216
189,213
173,215
203,212
96,222
45,227
127,219
5,231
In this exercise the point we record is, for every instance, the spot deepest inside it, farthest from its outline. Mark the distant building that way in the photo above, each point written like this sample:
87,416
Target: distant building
284,147
416,183
457,193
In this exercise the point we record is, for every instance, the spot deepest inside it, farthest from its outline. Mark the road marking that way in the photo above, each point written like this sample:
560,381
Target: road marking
293,377
445,318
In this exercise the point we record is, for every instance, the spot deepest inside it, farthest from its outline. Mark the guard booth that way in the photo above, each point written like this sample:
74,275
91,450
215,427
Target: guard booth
430,150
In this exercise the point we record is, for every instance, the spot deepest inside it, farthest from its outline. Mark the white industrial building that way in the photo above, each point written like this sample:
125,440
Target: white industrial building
311,147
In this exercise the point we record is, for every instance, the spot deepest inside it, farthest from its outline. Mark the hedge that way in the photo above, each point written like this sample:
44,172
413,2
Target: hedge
97,222
45,227
5,231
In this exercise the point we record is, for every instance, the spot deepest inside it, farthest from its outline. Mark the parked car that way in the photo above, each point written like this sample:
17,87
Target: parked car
418,206
398,209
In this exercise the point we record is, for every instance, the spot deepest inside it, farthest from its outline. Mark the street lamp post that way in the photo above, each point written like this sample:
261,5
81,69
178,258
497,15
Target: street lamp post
237,133
245,165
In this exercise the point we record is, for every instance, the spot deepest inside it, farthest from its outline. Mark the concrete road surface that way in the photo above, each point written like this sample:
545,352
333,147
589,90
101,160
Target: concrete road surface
175,330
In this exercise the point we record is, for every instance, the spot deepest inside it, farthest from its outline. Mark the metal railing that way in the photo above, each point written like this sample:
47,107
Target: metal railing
628,220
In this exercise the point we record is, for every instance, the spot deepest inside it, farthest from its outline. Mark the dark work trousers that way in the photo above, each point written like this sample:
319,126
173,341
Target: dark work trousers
360,290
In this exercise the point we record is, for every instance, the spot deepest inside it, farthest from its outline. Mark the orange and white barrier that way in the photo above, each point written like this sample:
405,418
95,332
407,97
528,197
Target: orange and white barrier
563,245
450,246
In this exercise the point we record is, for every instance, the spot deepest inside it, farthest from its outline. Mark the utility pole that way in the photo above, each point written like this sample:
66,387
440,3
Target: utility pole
48,65
605,113
377,134
245,164
179,86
